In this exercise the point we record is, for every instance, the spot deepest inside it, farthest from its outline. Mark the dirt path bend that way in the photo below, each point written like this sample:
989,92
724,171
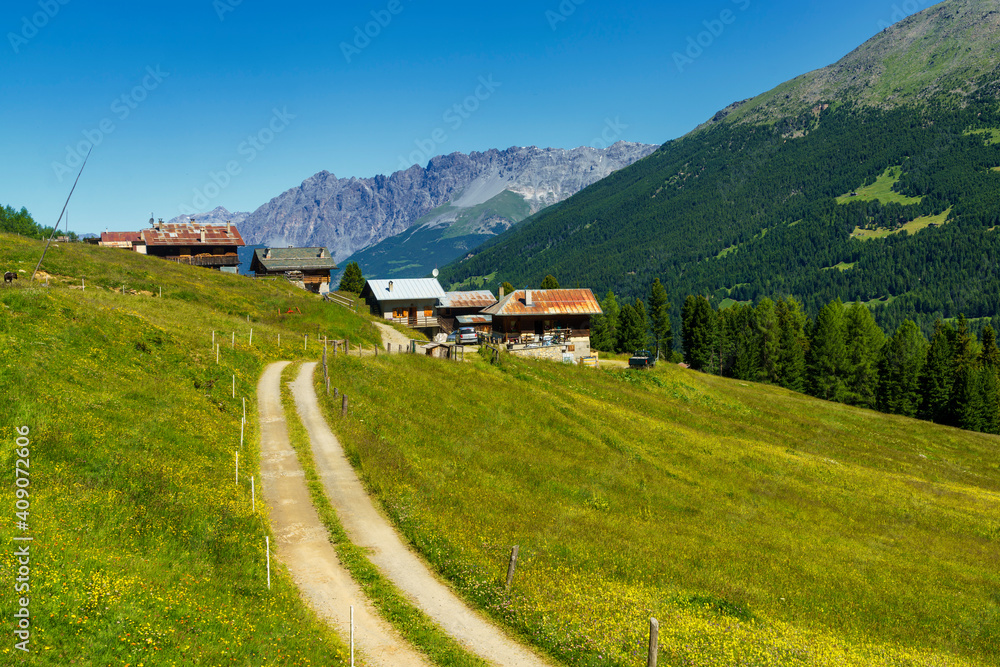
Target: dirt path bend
303,543
392,336
367,528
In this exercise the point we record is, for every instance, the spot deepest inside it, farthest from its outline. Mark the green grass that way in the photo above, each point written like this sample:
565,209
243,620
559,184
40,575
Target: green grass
390,603
758,525
911,227
841,266
146,550
475,283
990,135
881,190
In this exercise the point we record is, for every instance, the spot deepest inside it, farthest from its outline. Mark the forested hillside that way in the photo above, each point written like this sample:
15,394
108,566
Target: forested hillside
894,205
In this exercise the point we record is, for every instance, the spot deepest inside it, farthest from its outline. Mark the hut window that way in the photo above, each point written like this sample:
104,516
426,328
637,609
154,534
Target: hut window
428,312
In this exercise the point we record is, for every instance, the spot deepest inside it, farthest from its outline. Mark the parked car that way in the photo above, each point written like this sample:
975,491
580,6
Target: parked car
467,336
642,359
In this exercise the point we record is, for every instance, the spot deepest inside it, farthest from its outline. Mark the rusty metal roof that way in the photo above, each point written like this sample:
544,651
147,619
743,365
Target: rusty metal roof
479,299
547,302
120,239
188,234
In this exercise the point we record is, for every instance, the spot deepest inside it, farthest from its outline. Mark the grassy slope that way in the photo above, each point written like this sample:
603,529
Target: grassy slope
881,190
145,549
755,523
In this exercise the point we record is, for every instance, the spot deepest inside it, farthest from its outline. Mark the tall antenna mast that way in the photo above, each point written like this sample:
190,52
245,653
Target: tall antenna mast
52,235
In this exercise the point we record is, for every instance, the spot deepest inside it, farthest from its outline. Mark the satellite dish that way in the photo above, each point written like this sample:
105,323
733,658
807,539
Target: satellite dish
435,273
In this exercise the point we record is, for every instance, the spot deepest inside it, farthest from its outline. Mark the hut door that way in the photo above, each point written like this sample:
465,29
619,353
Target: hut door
413,315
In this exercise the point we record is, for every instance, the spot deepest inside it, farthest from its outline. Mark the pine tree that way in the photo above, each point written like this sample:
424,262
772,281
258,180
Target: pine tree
989,368
632,334
769,342
604,327
659,315
966,408
352,280
900,367
739,342
550,282
864,340
938,377
700,334
792,345
827,359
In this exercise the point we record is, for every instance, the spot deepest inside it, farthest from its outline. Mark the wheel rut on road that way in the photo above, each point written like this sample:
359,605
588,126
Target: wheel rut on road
303,544
368,528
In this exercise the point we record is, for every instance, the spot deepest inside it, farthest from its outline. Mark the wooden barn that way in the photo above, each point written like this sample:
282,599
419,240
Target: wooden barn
459,309
311,266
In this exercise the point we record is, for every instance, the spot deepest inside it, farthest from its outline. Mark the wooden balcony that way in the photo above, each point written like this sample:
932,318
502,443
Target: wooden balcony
417,322
206,260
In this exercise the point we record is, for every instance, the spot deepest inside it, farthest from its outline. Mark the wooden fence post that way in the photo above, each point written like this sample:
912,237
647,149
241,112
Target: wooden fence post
343,407
513,564
654,642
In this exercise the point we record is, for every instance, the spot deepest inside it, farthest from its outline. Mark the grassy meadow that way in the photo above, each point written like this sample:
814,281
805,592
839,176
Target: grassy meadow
146,551
760,526
881,190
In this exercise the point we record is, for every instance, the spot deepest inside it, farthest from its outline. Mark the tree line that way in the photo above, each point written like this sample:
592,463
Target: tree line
15,221
631,327
744,212
843,355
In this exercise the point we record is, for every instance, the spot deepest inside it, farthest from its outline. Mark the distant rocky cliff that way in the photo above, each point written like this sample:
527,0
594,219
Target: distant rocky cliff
347,215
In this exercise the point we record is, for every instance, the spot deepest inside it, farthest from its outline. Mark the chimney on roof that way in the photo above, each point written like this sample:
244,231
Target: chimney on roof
527,298
390,285
322,253
501,291
267,253
159,224
202,234
227,227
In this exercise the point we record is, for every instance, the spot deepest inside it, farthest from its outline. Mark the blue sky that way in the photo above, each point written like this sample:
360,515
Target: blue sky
196,104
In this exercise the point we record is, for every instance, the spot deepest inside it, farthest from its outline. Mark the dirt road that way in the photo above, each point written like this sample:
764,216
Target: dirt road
393,337
367,528
303,544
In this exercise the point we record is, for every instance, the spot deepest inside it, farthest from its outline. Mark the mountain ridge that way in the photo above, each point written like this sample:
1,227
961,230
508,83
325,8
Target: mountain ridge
893,67
350,214
759,204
